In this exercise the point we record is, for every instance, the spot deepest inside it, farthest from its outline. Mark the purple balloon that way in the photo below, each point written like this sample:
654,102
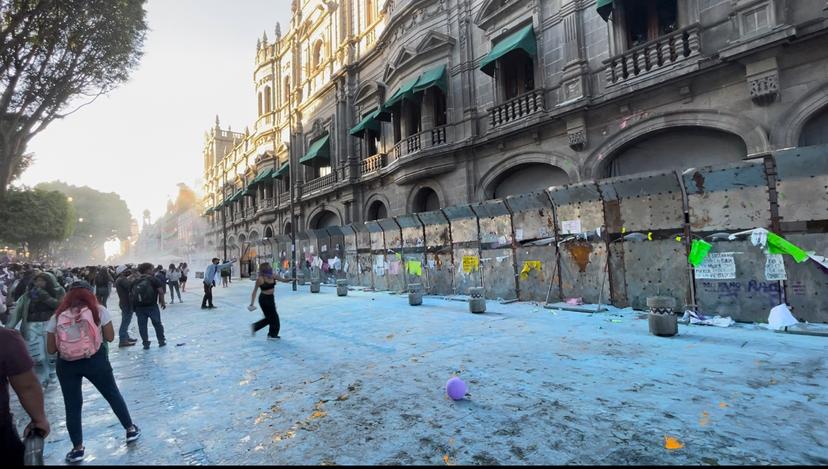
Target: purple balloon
456,388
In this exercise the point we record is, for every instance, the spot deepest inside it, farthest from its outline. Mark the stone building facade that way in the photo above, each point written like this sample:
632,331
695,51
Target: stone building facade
377,108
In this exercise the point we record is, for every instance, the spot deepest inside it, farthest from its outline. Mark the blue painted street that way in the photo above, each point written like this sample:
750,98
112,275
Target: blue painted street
360,379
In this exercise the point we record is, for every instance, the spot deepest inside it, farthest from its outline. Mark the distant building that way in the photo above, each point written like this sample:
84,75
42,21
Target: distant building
411,105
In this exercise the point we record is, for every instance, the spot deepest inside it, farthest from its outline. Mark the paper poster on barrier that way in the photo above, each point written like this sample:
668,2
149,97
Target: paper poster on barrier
571,226
470,263
717,266
775,267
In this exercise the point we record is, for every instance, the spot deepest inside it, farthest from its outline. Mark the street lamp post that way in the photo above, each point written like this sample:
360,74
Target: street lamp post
292,171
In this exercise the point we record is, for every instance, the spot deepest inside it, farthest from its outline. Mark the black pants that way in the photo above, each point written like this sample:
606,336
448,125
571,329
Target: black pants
99,372
10,443
271,317
152,313
208,296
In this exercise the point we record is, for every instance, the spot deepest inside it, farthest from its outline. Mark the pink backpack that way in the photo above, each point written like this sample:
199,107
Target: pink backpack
77,335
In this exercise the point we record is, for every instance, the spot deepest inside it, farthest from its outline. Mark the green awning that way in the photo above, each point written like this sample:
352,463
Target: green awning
370,122
604,8
435,77
405,91
522,40
280,173
319,152
235,197
208,211
263,174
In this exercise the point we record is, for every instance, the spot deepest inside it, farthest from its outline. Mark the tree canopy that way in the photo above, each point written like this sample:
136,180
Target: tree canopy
105,216
54,52
37,217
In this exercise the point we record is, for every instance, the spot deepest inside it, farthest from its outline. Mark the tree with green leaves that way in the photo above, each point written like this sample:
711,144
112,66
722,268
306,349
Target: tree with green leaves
100,217
54,53
36,218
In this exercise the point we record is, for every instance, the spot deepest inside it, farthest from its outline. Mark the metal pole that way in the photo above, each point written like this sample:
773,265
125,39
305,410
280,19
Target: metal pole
292,171
224,226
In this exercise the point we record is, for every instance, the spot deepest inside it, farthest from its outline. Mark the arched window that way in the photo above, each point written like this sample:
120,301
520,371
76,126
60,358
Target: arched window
286,89
815,131
316,55
260,103
676,148
267,100
323,219
269,232
426,200
288,228
525,178
377,211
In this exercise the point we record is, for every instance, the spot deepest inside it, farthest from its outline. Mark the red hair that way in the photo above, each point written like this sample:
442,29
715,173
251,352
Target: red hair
80,297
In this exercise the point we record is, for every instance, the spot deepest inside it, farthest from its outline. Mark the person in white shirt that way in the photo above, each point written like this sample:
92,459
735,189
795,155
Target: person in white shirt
174,280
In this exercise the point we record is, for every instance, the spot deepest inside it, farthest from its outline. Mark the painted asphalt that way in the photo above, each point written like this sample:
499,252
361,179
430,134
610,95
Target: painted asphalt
360,379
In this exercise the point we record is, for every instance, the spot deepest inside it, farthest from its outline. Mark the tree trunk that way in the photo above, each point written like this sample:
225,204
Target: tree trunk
12,148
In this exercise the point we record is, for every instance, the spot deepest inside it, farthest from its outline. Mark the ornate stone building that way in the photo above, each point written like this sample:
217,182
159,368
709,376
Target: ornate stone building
372,108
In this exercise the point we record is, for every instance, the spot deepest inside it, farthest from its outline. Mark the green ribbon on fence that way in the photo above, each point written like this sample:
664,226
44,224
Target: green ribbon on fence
698,251
779,245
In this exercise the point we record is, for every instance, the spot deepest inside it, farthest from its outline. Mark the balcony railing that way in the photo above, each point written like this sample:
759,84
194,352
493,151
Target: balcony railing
412,144
372,163
319,183
420,141
249,212
654,55
517,108
265,204
438,135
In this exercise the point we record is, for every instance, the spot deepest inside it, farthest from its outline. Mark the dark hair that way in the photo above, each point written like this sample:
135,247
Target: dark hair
265,266
215,259
145,268
172,266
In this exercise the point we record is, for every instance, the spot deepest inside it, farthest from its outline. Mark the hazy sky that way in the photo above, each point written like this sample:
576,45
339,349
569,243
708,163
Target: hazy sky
147,136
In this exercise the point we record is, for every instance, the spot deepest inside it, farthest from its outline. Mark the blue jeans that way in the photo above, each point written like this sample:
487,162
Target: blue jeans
174,289
126,319
99,372
153,314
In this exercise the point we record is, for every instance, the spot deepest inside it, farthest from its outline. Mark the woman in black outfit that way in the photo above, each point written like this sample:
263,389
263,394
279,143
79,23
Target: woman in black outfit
267,301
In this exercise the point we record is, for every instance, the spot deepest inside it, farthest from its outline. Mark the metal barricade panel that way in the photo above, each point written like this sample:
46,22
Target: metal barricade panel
807,283
732,197
746,296
802,183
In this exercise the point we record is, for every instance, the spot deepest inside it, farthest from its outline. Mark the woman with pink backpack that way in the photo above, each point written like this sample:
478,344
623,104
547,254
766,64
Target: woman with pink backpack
76,333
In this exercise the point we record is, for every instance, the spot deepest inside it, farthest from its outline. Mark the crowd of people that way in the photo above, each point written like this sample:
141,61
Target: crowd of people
65,328
64,331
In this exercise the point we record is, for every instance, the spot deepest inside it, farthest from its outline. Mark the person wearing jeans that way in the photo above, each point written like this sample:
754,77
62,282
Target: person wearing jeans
96,369
209,276
150,311
122,285
173,279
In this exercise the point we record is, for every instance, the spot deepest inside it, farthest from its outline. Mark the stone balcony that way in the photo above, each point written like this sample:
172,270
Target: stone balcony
319,184
517,109
651,57
372,164
425,140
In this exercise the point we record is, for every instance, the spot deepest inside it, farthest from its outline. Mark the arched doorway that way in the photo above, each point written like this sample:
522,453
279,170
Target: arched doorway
268,233
426,200
526,178
324,219
288,228
676,148
376,211
815,130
